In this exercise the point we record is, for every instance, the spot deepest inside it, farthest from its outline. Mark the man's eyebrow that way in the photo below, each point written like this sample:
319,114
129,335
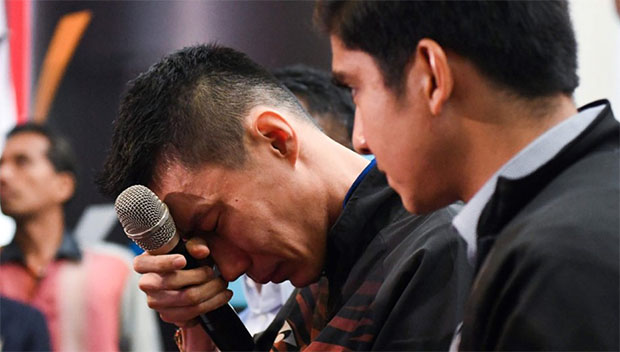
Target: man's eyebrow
339,79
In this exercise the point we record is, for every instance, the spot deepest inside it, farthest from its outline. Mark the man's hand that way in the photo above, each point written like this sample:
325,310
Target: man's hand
181,295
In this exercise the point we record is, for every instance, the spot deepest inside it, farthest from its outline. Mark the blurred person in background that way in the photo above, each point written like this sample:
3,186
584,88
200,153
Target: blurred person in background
88,295
330,105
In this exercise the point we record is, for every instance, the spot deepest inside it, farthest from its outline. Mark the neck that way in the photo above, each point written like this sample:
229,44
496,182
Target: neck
337,168
504,129
350,167
39,237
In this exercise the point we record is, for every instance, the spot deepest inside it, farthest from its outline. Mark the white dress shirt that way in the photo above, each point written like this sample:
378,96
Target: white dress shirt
264,305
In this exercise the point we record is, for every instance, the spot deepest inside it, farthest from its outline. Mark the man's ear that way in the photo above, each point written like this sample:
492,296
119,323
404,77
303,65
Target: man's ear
269,126
65,186
437,76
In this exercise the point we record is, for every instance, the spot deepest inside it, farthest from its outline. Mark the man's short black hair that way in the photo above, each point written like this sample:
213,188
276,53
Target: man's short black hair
528,47
189,108
321,95
60,152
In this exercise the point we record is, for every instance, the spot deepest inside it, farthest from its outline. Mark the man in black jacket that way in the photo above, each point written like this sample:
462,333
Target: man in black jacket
250,180
472,101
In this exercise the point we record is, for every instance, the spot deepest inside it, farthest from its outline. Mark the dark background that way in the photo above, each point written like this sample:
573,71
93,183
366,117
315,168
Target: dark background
125,37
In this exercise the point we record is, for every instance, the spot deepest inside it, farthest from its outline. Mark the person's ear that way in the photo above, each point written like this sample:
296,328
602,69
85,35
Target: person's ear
64,184
269,126
438,80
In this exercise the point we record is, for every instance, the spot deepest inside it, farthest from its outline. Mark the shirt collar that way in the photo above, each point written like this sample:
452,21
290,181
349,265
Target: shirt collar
271,297
68,249
355,229
358,180
528,160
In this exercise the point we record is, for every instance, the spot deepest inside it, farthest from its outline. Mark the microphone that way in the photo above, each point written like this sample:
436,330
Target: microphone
147,221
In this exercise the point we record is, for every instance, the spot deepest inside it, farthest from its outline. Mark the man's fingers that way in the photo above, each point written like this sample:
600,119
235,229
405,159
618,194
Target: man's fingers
198,294
146,263
183,316
158,298
197,247
175,280
181,295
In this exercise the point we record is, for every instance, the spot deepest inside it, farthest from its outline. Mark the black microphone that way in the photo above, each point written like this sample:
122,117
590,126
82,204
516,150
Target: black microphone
147,221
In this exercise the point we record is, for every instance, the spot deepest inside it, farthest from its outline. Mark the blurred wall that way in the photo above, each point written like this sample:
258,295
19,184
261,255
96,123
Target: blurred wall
597,27
125,37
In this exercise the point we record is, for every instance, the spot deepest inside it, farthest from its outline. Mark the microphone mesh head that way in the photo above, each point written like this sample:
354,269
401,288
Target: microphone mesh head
144,217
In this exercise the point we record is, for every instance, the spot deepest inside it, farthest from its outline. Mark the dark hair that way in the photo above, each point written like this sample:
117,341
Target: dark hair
526,46
59,153
189,107
321,95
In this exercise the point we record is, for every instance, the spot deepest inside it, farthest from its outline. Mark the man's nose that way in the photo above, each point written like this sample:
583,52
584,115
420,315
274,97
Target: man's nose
231,262
5,172
359,141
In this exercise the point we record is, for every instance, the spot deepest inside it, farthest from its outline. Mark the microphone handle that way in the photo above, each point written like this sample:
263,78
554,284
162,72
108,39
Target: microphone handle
222,324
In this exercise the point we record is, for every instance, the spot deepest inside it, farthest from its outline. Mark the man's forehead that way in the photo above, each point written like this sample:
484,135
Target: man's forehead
345,62
30,136
27,143
168,176
173,177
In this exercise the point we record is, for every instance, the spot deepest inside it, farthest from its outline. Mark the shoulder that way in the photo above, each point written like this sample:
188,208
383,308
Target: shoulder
423,231
18,318
22,327
570,228
18,310
415,241
595,171
576,215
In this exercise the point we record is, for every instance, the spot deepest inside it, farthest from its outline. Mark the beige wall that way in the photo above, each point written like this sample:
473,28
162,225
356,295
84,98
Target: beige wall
597,26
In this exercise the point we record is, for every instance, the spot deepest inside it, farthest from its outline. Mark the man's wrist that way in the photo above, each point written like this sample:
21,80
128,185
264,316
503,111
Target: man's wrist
193,338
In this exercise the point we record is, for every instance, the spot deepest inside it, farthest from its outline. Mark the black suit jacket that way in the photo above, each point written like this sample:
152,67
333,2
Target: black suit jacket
548,270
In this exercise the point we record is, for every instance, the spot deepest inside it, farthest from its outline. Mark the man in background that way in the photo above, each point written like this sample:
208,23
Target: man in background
250,180
472,101
89,296
330,105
